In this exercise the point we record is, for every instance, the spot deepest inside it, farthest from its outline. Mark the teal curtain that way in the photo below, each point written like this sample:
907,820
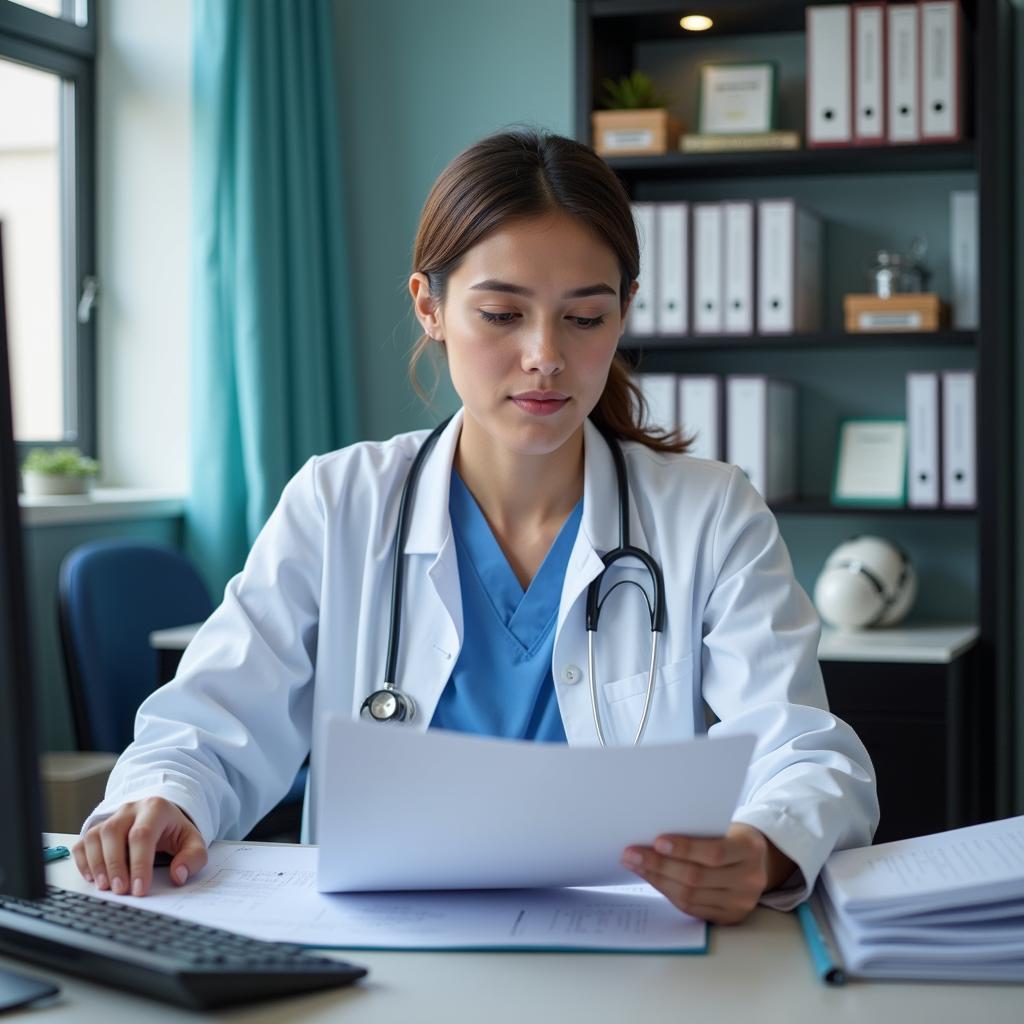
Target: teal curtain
273,355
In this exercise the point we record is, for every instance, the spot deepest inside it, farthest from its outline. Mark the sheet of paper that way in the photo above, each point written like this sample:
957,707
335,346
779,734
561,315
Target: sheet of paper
269,892
442,810
945,870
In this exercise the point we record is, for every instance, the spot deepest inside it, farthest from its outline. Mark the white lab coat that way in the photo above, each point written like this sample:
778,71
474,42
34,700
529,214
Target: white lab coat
303,630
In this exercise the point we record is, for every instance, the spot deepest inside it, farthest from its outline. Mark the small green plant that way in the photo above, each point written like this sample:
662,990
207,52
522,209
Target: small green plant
632,92
59,462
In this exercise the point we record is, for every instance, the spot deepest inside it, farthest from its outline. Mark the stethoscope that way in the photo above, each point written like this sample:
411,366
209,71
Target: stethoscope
390,704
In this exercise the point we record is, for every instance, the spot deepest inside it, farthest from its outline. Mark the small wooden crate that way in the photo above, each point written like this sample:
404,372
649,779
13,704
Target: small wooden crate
907,311
634,132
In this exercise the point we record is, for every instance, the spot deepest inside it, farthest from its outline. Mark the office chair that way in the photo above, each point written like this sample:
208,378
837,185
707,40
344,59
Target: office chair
111,595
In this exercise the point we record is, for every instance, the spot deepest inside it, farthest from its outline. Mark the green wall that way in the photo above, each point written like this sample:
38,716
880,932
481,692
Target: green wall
420,82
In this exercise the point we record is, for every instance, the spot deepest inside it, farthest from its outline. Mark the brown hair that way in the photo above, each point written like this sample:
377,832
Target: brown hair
527,173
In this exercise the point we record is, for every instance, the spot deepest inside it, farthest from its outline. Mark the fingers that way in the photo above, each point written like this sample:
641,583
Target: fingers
118,853
713,853
190,859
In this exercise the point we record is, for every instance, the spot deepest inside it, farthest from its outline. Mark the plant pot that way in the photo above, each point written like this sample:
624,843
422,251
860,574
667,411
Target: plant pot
40,484
634,132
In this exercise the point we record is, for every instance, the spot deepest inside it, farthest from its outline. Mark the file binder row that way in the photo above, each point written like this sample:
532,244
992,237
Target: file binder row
750,421
723,267
941,440
882,73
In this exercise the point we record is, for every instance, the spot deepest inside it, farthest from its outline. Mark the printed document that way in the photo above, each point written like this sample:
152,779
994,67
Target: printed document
268,891
443,810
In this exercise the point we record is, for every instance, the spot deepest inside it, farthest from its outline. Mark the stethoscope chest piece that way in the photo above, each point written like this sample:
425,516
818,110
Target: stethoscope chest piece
388,705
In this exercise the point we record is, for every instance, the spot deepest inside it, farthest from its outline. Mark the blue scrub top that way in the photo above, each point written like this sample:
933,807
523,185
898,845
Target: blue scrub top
501,684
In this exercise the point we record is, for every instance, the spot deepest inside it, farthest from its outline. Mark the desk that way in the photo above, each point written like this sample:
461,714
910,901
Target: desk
170,645
758,970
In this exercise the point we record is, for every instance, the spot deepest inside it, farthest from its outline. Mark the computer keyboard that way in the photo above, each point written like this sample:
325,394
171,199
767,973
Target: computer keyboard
158,955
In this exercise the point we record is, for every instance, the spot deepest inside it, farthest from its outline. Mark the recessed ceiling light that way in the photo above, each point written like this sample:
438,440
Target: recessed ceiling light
695,22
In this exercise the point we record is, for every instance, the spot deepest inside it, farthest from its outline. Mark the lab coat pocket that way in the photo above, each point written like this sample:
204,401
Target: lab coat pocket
671,716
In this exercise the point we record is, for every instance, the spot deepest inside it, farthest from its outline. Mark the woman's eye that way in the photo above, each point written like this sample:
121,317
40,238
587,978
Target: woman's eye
583,322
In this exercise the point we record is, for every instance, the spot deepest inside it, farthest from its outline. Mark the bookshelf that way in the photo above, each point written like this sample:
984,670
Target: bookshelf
869,197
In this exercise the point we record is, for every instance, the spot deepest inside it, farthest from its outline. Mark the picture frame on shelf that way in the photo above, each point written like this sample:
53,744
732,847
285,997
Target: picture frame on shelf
871,463
737,97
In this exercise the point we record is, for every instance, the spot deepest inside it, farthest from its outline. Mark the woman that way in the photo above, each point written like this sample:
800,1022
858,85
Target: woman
525,264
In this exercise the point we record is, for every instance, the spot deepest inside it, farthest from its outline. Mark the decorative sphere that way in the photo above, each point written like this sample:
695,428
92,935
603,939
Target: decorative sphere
867,581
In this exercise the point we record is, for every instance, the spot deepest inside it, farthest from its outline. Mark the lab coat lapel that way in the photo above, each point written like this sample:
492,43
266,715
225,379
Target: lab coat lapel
598,534
432,608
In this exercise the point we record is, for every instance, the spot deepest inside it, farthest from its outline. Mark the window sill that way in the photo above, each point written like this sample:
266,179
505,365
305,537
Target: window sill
104,505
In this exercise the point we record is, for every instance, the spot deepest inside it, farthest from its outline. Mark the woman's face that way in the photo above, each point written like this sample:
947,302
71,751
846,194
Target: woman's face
530,323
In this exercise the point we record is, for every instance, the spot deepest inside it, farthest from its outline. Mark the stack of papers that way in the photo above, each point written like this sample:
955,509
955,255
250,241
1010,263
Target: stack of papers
947,906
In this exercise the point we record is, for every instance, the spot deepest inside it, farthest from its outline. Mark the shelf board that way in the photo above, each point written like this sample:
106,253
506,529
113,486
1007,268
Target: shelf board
858,160
826,340
823,507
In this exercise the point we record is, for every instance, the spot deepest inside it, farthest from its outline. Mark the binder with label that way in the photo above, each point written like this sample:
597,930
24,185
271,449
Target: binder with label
829,75
643,308
959,452
902,73
963,258
923,429
660,392
761,433
738,228
672,287
789,255
700,414
869,74
941,72
707,268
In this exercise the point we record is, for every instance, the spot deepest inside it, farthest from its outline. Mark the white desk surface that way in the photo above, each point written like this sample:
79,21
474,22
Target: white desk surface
759,971
177,638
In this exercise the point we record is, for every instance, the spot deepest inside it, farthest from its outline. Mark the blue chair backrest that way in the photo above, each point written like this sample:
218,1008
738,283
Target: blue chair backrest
112,595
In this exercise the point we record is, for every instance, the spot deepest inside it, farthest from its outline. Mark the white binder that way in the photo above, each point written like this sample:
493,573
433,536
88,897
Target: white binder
672,286
829,76
789,256
641,314
902,73
761,433
963,258
959,448
869,74
923,428
700,414
707,268
738,298
941,48
660,391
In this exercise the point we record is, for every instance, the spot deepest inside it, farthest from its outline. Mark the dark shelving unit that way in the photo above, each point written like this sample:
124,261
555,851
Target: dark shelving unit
612,37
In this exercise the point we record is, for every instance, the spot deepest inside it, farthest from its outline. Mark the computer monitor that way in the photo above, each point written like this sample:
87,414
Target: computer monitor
21,859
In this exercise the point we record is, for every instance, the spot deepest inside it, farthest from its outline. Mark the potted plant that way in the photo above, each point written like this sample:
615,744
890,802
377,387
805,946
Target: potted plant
636,121
58,471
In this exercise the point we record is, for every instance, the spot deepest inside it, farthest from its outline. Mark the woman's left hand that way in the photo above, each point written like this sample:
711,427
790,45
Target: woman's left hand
718,880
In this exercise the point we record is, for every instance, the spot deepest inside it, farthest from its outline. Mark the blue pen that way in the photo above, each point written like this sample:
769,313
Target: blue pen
821,956
55,853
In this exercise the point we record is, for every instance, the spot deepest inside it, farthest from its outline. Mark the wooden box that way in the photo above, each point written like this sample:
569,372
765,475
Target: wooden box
907,311
634,132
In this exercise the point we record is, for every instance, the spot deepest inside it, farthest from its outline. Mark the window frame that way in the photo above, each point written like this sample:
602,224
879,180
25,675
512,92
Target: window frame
60,46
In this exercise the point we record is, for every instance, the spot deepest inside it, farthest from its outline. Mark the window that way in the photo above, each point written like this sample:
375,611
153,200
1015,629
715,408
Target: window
47,208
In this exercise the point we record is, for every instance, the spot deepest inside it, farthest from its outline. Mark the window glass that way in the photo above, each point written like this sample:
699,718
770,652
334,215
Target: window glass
74,10
31,211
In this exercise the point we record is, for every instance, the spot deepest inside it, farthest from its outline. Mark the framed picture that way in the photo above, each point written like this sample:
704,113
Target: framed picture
736,98
871,463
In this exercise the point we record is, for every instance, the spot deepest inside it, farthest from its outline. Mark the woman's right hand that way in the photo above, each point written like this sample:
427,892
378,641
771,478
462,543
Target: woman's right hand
117,854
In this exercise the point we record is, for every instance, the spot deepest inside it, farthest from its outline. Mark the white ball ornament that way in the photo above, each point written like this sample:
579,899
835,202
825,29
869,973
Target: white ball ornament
867,581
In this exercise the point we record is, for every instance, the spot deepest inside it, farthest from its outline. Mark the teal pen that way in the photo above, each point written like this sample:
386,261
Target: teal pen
821,956
55,853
